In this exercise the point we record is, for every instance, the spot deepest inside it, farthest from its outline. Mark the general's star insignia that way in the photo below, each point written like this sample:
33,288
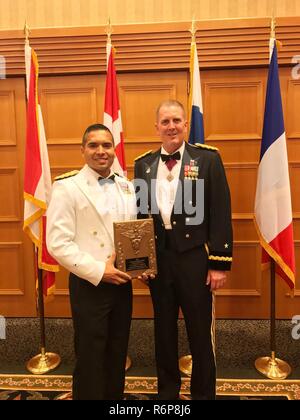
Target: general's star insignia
226,246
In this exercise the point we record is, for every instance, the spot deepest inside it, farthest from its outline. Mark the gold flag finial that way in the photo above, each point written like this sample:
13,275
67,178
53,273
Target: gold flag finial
109,30
26,31
273,27
273,32
193,30
273,19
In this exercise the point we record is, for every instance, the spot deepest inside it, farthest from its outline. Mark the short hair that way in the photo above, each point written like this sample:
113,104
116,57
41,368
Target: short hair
95,127
170,102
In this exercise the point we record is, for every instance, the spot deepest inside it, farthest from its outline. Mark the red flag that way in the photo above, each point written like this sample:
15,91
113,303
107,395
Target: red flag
112,113
37,177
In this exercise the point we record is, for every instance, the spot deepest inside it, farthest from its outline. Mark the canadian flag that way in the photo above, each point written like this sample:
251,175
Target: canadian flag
112,113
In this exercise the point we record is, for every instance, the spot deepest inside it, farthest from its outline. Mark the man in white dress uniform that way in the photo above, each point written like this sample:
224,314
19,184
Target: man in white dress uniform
80,217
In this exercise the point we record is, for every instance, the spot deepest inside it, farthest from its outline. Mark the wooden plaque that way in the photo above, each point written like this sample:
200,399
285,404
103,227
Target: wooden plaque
135,247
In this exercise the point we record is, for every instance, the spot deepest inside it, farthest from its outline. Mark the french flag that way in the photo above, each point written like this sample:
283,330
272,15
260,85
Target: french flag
273,210
195,99
112,113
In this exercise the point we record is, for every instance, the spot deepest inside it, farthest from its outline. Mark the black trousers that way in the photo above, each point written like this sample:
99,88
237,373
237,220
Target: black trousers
101,319
181,284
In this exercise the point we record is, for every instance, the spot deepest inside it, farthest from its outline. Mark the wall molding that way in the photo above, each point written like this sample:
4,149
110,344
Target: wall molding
231,43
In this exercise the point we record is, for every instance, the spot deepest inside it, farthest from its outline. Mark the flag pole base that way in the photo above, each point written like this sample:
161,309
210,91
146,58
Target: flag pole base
43,363
186,364
128,363
272,367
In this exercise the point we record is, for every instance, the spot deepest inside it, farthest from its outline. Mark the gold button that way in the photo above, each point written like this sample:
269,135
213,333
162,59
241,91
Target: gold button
102,245
174,223
94,233
155,236
187,235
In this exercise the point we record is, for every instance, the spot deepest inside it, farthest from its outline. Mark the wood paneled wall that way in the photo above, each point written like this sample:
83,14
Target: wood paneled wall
63,13
233,99
164,46
17,283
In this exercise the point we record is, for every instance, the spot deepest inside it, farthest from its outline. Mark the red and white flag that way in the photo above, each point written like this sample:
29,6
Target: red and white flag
37,177
273,210
112,113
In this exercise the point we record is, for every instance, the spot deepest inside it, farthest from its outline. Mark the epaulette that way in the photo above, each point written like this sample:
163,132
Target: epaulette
205,146
120,176
143,155
66,175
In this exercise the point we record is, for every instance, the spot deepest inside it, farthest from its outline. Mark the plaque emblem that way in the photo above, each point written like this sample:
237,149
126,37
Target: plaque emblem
135,247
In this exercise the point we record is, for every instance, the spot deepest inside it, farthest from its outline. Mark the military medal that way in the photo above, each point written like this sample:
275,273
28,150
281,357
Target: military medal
125,188
191,171
170,177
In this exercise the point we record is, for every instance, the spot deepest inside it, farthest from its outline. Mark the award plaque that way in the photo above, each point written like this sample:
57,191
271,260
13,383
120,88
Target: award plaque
135,247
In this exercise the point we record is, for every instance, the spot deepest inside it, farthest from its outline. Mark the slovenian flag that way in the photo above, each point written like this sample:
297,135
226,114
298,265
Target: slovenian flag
273,210
112,113
195,99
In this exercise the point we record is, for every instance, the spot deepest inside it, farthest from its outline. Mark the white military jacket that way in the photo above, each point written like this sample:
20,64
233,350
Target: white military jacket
80,222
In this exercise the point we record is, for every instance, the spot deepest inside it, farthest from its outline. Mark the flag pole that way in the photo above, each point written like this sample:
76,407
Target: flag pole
272,367
45,361
186,362
193,30
109,31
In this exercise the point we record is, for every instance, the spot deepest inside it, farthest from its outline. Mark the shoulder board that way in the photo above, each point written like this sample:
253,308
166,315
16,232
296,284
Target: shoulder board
120,176
143,155
205,146
66,175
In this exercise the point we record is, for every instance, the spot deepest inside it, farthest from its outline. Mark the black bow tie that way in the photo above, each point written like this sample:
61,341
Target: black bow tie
108,180
174,156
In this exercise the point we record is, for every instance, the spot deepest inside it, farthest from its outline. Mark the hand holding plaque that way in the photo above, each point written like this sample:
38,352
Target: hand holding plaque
135,247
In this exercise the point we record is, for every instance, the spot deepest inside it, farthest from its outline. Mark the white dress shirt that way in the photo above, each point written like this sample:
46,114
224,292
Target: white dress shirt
110,200
165,189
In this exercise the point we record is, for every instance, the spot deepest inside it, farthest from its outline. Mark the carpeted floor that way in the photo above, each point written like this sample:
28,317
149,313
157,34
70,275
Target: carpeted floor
47,387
